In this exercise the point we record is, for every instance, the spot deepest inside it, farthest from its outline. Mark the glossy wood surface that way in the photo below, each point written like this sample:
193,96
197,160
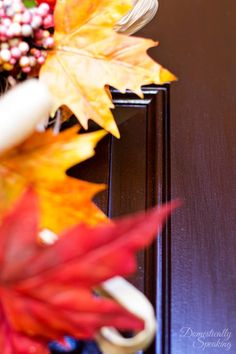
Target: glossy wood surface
198,42
136,170
190,273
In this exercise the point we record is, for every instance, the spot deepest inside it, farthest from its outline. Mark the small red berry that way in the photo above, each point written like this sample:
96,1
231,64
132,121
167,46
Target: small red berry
51,3
15,52
48,21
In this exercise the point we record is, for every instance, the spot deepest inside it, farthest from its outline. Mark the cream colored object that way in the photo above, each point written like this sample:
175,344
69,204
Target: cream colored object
142,13
110,340
21,109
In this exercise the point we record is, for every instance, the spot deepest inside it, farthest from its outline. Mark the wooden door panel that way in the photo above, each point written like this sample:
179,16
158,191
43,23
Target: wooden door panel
197,41
189,275
136,171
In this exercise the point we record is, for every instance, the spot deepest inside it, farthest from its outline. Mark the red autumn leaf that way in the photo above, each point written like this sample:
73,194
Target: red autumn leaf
47,292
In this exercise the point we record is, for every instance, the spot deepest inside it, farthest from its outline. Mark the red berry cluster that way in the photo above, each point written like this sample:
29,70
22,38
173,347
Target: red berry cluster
24,35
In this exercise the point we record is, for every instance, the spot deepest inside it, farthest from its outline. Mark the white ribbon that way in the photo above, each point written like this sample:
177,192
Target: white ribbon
142,13
109,339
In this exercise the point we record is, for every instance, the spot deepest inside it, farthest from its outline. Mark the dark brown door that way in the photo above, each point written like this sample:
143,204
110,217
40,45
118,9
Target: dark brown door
190,153
198,42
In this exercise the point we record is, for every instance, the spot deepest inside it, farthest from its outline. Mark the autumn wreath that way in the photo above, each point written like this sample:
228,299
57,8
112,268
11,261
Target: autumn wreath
60,255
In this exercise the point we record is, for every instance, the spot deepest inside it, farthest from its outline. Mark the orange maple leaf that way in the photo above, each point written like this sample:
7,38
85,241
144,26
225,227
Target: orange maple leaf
89,55
41,161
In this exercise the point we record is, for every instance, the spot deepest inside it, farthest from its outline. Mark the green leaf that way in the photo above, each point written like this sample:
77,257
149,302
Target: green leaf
30,3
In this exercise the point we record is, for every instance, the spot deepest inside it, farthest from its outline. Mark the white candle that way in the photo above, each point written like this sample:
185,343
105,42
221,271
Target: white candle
21,109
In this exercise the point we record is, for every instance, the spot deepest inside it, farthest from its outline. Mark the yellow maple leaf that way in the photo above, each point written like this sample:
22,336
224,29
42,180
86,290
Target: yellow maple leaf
41,161
89,55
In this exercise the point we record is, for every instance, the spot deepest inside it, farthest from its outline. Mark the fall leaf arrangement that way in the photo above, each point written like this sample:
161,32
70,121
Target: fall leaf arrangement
61,257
